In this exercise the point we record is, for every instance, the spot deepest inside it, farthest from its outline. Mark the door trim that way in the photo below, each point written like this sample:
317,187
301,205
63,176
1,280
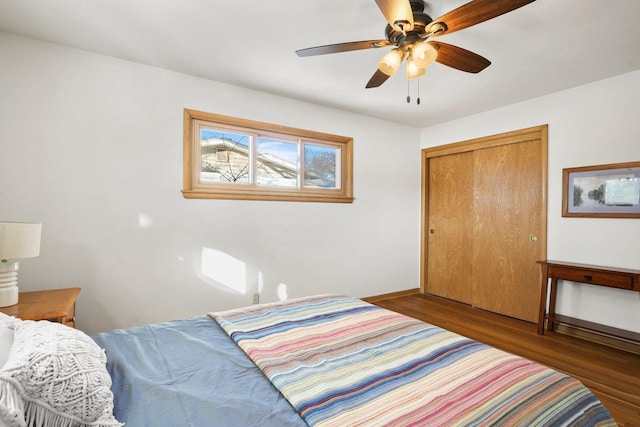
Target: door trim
513,137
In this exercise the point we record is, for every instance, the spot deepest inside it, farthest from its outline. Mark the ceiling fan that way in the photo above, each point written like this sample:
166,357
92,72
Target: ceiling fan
409,30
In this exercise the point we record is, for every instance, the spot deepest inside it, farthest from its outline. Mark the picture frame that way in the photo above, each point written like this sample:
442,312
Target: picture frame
602,191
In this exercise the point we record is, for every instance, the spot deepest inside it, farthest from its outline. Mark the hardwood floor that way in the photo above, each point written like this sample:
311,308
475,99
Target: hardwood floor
612,375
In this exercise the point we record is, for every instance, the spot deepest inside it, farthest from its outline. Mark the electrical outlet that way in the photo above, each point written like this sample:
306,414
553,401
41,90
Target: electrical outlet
256,298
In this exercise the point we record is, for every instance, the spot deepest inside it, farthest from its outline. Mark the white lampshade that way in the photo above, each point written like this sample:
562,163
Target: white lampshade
413,71
390,63
424,54
19,240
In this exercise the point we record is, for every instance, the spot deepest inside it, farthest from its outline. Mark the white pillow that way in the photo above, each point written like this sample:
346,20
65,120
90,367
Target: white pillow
11,408
58,373
6,336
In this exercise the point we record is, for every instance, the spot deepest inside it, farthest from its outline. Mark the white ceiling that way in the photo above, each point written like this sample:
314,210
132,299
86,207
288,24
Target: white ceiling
544,47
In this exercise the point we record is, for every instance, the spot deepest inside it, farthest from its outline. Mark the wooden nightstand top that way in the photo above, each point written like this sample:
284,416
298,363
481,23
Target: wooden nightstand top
44,305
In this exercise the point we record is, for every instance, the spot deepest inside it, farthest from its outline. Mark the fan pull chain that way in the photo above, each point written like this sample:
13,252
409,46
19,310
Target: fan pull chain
409,96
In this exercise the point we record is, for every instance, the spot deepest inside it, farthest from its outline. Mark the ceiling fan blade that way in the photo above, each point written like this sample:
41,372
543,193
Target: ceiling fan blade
377,79
473,13
398,13
459,58
342,47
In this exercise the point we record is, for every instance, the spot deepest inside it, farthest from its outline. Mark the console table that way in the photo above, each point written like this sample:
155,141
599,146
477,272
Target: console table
582,273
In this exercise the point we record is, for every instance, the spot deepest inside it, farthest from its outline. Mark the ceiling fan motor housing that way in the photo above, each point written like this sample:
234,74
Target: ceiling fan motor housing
420,22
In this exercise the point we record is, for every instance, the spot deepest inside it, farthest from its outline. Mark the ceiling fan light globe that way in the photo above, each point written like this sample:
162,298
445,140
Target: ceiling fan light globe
413,71
390,62
424,54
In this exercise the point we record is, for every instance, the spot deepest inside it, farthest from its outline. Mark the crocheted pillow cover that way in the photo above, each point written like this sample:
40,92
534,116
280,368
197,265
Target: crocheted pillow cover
55,376
11,408
6,336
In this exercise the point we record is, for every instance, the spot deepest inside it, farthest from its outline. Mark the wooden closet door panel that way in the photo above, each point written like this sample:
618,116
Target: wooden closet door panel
508,231
450,226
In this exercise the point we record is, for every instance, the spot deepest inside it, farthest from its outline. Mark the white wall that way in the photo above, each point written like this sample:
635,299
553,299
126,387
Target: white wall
91,146
593,124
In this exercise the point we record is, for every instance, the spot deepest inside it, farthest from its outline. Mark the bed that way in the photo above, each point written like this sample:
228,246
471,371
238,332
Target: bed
326,360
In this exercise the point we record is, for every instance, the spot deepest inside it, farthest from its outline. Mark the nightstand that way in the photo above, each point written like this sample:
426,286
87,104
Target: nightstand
56,305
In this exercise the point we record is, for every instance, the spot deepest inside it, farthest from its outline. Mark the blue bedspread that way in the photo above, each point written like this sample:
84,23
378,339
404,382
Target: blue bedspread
189,373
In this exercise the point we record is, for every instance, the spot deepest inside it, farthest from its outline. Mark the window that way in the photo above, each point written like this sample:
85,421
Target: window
230,158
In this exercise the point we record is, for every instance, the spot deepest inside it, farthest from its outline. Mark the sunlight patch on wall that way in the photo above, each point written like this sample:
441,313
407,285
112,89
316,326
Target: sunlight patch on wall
260,282
224,269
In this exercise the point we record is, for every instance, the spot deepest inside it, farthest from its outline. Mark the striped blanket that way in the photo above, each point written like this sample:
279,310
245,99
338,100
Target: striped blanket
343,362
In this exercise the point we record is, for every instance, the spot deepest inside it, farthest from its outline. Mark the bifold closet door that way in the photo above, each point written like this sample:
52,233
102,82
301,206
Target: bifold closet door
450,226
508,232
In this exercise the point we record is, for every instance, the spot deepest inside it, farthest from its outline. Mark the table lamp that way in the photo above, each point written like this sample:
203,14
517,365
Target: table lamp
17,240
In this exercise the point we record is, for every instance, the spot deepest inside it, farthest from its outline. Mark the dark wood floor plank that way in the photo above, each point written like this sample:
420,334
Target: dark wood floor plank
613,375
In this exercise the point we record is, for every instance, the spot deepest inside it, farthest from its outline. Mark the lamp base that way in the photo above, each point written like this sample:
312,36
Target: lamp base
8,296
8,283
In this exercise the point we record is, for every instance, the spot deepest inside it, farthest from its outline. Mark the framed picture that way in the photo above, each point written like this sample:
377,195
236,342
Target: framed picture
606,191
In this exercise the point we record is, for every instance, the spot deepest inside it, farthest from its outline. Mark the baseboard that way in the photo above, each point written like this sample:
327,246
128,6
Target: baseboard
391,295
609,341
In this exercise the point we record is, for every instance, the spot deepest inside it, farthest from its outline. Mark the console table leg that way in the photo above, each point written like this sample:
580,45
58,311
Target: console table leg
552,304
543,299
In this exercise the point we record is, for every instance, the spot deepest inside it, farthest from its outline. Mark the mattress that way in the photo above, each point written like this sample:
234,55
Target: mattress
330,361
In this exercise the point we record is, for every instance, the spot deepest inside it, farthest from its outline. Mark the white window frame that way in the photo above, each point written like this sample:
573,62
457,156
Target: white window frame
194,188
